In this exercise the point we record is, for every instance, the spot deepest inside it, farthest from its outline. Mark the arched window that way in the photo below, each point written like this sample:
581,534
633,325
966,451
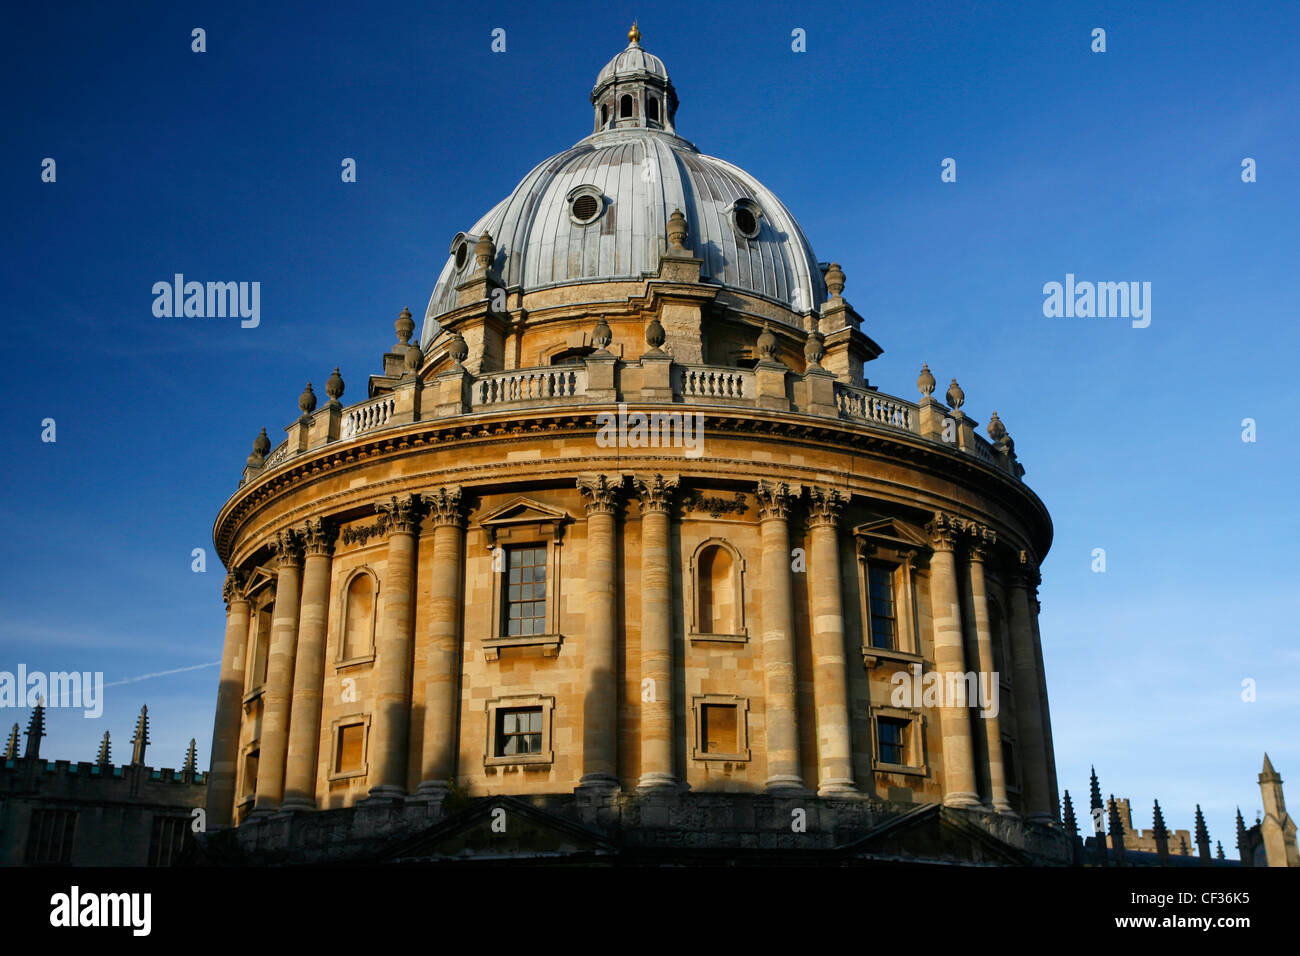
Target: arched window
261,646
574,356
625,106
719,612
358,617
604,113
652,109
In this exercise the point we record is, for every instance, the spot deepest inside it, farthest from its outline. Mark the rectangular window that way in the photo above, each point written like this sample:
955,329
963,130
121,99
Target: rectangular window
50,838
891,732
526,591
250,772
1009,761
519,731
168,840
351,744
884,619
718,732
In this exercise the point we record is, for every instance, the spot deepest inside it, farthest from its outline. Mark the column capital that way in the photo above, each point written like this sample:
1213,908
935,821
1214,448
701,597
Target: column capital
400,514
603,493
943,530
233,588
827,507
318,536
657,493
287,545
446,507
980,539
1024,572
774,499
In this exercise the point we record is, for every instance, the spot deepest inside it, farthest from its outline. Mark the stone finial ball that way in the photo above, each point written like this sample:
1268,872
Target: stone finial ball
654,333
767,343
677,230
261,444
835,280
307,400
602,336
997,431
485,250
404,325
955,395
457,348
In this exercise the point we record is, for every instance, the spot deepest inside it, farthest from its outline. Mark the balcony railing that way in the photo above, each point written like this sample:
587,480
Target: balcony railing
558,383
367,416
704,383
873,407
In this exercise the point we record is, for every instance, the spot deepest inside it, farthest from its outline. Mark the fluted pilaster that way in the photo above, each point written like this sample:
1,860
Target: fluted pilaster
442,672
1025,690
600,652
781,705
225,728
309,668
979,540
830,675
400,516
656,632
950,663
277,697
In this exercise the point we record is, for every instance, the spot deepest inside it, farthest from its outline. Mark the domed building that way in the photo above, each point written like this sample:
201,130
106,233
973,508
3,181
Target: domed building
625,546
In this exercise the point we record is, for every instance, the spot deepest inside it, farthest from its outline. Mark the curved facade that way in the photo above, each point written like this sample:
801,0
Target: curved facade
629,524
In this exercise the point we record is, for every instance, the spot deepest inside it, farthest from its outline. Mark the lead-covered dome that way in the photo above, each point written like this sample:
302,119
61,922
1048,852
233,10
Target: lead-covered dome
599,210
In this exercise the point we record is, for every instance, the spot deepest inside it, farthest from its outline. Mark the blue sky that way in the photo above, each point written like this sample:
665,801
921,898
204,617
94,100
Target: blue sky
1117,166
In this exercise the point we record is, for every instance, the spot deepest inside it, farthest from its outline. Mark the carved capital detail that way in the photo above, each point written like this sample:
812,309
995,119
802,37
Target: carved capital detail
287,546
400,514
602,492
318,536
826,507
233,589
1024,573
774,499
980,539
657,493
445,507
943,530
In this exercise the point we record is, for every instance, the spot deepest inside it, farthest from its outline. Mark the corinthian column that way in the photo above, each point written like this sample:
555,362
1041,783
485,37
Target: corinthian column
656,634
392,720
442,672
979,540
830,678
225,729
950,664
309,671
600,652
781,705
1025,691
279,672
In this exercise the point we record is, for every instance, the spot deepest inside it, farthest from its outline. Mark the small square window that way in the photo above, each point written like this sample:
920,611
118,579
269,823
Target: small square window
519,731
718,731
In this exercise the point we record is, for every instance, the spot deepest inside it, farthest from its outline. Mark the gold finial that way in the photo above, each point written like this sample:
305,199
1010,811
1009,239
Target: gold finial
634,35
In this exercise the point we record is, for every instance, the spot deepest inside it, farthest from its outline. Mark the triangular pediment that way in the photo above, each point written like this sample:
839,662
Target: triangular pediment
523,511
933,834
898,533
499,828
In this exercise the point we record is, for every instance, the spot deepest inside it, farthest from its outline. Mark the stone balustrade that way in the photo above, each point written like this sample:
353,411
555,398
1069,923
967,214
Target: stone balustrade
690,385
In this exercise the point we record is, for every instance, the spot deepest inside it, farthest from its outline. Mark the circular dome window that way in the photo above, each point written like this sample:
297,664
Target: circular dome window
462,254
585,208
744,217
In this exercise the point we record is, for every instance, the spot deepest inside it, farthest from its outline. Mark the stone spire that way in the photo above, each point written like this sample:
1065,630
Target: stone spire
1220,855
1097,823
1071,824
191,760
1241,840
1161,834
105,751
141,738
35,731
11,748
1202,836
1277,828
1116,830
1182,846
